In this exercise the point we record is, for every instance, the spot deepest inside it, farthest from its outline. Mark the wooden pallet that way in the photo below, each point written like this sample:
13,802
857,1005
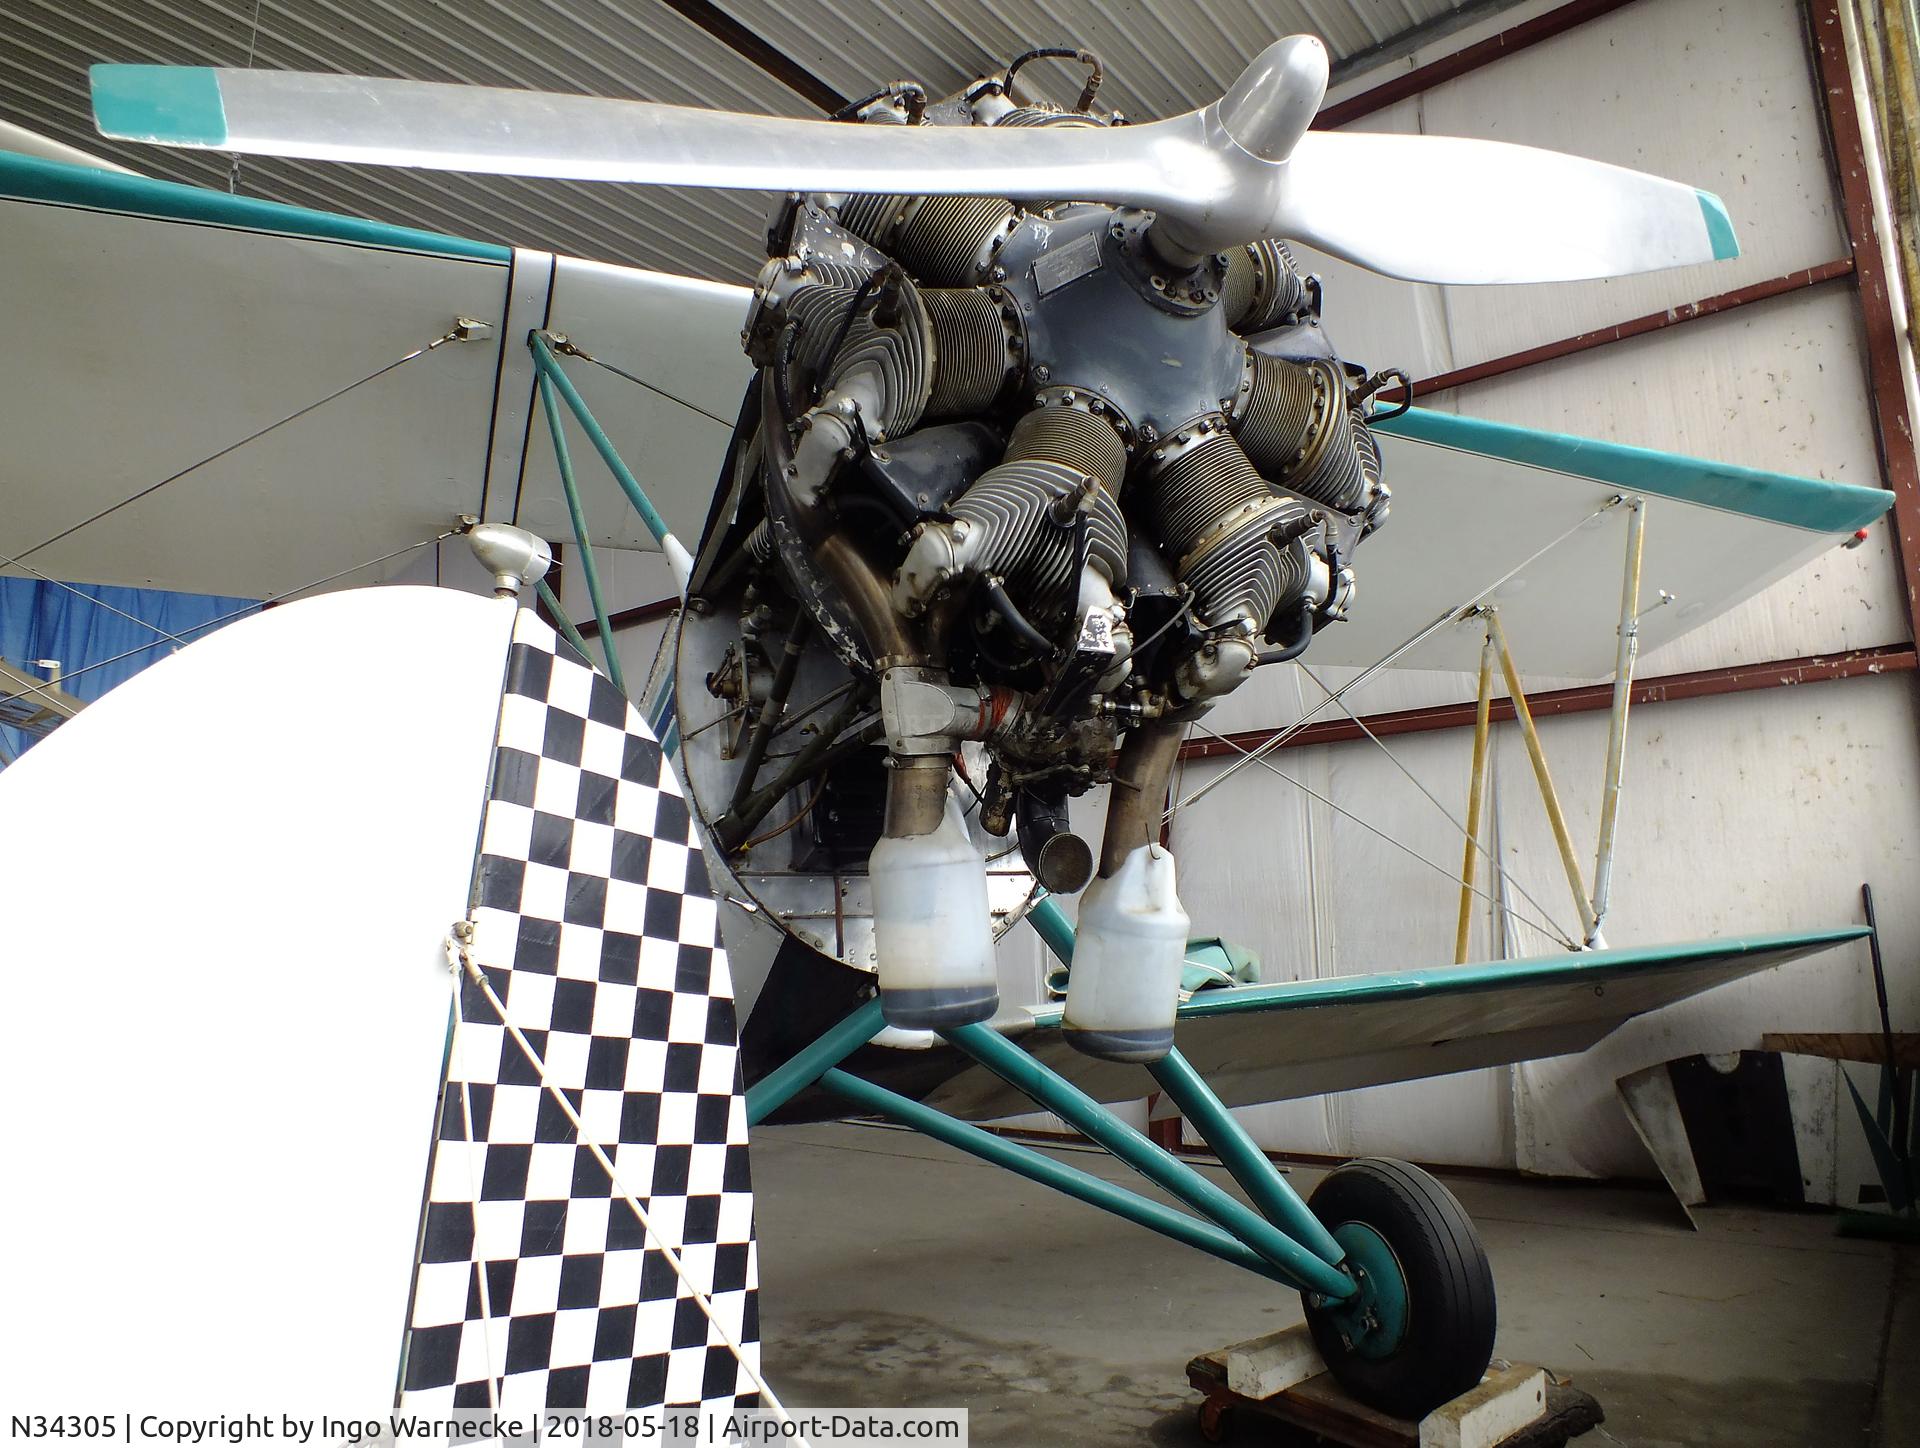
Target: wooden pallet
1282,1380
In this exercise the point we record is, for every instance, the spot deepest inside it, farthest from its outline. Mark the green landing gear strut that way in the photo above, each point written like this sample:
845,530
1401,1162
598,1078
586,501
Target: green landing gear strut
1396,1286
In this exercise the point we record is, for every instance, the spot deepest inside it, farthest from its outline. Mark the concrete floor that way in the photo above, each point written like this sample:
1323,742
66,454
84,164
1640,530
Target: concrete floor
897,1272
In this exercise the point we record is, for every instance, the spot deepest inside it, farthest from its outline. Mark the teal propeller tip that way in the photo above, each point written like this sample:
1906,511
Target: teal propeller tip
1719,226
178,105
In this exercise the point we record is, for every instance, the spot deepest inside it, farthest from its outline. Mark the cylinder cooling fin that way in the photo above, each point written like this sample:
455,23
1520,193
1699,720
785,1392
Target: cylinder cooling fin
1026,516
1296,426
1024,519
943,241
1065,434
1263,287
1040,116
936,354
838,334
1229,535
973,351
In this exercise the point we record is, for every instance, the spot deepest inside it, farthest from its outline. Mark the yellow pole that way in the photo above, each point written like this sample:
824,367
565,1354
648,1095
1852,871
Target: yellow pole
1539,757
1482,720
1628,650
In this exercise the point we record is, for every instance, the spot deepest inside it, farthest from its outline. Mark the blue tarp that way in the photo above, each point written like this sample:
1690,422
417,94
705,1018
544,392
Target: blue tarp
96,647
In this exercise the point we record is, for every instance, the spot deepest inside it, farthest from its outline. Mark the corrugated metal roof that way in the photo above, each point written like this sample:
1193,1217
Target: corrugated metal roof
1159,60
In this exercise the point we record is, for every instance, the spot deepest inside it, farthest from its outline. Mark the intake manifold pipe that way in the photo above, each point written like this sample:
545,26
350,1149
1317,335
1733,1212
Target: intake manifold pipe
1124,986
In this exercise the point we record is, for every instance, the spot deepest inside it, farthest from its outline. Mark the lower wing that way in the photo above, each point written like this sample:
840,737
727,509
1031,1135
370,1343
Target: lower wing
1302,1038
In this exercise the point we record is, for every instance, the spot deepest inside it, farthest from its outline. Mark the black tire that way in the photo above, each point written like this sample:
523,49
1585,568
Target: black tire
1448,1336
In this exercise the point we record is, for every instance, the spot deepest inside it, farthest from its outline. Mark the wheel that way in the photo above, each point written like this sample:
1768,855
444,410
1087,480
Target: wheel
1420,1329
1216,1420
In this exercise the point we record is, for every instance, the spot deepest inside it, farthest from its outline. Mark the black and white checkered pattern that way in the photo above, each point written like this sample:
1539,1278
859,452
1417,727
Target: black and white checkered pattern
594,924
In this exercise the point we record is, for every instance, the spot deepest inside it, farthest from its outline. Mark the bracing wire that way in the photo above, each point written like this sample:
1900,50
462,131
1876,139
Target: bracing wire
573,350
1448,814
1406,849
96,602
231,447
1399,651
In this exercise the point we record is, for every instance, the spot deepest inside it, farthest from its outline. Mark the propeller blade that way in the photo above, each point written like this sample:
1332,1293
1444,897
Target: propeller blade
589,138
1454,210
1424,208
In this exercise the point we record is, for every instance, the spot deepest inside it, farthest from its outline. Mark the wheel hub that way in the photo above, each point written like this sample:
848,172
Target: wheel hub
1373,1321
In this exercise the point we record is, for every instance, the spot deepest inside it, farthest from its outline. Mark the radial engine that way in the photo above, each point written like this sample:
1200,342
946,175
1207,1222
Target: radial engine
1024,489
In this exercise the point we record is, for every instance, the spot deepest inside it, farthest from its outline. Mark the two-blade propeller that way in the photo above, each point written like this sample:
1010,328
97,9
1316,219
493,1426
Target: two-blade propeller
1423,208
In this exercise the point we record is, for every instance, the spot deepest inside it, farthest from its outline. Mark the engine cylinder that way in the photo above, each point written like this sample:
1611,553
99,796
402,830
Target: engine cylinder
1367,448
1067,435
1013,507
943,241
1041,116
1296,427
1216,517
972,355
899,358
1262,286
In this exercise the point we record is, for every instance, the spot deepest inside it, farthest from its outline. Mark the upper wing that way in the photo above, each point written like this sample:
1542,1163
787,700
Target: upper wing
1302,1038
1473,500
153,325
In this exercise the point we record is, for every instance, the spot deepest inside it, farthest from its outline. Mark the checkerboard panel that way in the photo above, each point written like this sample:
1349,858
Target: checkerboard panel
594,924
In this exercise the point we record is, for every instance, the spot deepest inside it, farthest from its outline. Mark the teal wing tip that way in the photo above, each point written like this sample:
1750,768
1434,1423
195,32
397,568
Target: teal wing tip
176,105
1719,226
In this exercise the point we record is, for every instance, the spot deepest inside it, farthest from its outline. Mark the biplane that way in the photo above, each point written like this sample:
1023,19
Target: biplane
1030,447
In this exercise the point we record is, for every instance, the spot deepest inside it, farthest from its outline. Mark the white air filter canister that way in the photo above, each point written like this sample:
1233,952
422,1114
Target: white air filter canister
1124,985
931,928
